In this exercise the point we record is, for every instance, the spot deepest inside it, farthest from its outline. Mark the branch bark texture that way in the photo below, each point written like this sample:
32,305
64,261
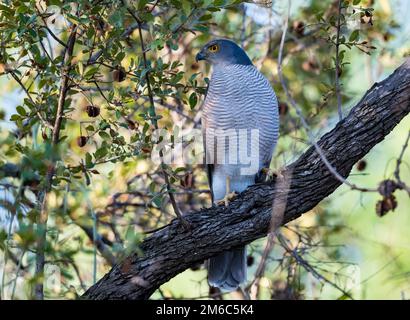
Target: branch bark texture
297,189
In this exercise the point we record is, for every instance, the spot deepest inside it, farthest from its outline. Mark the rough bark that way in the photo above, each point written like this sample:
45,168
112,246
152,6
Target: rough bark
303,184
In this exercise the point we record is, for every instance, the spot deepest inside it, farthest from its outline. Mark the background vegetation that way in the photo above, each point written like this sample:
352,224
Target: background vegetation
86,83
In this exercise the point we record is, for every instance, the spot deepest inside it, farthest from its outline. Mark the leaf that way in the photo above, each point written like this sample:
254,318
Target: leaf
141,4
104,135
100,153
206,17
88,160
354,36
116,18
91,72
15,117
21,111
193,99
80,68
186,7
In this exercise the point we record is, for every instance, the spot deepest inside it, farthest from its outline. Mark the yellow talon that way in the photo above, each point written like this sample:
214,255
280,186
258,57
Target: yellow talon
267,174
228,194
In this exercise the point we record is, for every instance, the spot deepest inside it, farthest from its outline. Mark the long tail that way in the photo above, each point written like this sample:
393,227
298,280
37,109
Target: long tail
227,270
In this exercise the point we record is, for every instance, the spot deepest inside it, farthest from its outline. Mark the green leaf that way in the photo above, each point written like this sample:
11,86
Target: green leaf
91,72
89,160
141,4
206,17
15,117
80,68
100,153
193,99
116,18
354,36
104,135
21,111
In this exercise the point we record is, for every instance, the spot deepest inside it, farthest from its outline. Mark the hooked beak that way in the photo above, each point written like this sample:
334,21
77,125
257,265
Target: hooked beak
200,56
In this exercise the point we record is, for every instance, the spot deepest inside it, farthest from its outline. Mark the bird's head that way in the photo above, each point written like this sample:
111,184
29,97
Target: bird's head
223,52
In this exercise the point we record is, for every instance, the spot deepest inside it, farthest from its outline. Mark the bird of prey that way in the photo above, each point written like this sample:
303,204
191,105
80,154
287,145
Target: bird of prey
240,126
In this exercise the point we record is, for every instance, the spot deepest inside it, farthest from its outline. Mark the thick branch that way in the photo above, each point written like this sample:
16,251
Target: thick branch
171,250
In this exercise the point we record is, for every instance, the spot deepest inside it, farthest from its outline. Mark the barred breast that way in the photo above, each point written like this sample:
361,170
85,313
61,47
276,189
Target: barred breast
240,97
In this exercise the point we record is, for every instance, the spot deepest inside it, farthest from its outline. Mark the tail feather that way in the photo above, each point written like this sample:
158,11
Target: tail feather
227,270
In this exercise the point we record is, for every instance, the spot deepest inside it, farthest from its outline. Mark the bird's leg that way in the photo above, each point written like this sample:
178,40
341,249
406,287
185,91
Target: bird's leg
265,174
228,194
227,190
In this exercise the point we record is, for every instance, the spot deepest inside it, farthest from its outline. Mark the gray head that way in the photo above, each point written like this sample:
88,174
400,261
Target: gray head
223,51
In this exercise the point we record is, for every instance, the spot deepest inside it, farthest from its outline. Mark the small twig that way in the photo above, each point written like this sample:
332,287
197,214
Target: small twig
19,267
337,62
308,267
43,216
400,158
400,183
262,264
44,121
48,29
303,120
154,121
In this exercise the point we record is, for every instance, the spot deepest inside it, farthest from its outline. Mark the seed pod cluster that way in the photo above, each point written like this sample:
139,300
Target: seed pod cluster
119,74
93,111
385,205
389,202
82,141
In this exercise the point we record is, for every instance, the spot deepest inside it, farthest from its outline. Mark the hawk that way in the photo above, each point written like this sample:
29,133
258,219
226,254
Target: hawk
240,126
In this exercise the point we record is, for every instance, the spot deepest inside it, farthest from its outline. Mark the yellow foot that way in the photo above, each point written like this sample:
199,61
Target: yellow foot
228,197
266,174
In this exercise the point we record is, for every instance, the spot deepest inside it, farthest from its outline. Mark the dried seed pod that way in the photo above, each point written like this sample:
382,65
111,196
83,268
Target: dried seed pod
387,204
131,124
387,36
82,141
361,165
310,65
366,18
146,149
196,267
283,108
250,260
299,27
119,74
93,111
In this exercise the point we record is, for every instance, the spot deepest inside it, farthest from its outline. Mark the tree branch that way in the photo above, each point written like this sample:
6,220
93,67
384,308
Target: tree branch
43,216
172,250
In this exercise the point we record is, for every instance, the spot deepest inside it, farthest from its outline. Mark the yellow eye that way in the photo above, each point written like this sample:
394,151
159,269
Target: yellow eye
214,48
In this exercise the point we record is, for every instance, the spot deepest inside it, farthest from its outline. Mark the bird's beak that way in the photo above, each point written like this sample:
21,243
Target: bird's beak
200,56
